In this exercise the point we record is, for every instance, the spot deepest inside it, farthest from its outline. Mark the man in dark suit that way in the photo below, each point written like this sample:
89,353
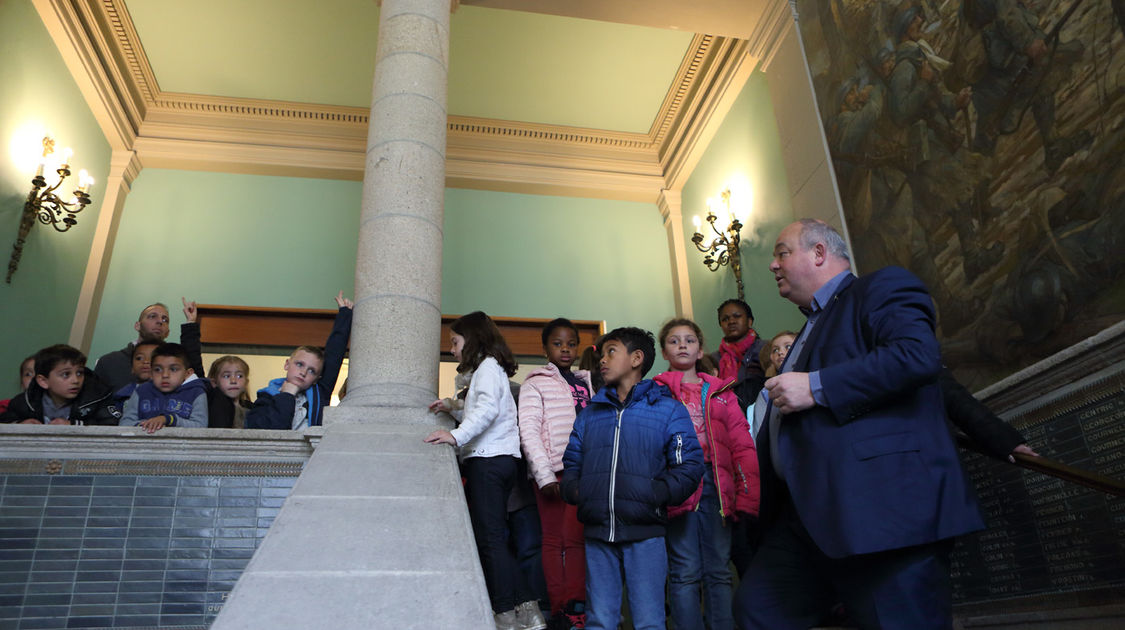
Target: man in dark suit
862,490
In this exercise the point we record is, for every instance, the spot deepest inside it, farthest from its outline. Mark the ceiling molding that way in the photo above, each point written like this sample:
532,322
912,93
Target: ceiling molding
200,132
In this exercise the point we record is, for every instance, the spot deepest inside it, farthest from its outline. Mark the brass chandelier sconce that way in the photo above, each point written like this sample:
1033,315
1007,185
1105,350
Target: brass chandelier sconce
723,249
48,208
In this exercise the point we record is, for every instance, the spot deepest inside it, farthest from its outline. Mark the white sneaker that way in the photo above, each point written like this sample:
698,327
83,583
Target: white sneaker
529,617
506,620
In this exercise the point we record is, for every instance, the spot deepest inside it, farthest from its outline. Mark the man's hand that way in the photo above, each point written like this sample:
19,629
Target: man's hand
153,424
190,312
1022,449
551,490
441,436
343,302
791,392
31,421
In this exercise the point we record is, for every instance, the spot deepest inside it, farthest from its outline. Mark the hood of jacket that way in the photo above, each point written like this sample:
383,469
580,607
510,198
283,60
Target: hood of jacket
647,391
673,379
551,370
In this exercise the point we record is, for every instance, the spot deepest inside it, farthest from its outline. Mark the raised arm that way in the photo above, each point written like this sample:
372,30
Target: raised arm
337,345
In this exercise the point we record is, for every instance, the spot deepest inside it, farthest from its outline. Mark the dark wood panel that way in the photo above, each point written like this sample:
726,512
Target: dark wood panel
291,327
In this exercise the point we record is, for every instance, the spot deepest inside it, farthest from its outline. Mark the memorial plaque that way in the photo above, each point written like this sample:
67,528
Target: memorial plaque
1046,535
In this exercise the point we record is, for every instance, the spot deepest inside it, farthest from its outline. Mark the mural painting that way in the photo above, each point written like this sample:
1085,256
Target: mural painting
981,144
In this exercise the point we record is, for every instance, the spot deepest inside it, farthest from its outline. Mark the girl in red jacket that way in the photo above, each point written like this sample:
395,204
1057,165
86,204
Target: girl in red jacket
699,534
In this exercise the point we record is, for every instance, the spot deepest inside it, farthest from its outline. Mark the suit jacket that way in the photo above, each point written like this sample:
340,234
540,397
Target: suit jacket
876,468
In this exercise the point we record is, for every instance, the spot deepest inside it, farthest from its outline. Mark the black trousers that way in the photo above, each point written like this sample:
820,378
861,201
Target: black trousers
791,584
488,482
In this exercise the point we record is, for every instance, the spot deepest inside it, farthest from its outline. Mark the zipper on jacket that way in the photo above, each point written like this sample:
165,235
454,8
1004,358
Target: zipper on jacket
613,477
705,400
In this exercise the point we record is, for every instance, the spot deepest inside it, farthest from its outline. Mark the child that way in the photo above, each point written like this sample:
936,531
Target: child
699,536
175,397
489,446
141,370
297,400
550,399
227,399
64,391
632,453
590,360
778,349
737,356
27,372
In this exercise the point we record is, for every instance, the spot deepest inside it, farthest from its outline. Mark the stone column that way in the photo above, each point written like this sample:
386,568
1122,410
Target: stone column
395,336
375,533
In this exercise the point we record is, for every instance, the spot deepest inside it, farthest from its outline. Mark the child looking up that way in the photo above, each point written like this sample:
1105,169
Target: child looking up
632,453
297,400
489,446
175,397
699,536
550,399
227,399
63,391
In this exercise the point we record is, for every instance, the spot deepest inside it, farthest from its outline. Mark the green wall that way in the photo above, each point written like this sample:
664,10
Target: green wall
38,95
220,238
745,150
275,241
535,256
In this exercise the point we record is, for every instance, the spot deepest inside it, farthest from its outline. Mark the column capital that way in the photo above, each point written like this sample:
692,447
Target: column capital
670,203
126,164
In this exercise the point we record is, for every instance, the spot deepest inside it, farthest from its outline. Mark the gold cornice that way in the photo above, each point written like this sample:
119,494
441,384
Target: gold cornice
175,130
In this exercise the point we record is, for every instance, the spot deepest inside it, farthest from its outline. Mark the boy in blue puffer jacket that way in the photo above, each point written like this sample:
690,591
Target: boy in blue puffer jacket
632,453
297,400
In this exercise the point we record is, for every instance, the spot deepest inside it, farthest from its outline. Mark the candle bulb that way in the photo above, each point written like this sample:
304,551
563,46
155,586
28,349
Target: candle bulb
697,222
84,181
39,169
67,153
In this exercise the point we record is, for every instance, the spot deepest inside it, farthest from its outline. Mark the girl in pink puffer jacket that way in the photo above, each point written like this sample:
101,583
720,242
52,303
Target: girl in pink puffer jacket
550,399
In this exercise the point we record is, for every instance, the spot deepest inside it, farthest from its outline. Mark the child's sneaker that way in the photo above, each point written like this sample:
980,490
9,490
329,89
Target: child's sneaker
576,613
505,620
528,616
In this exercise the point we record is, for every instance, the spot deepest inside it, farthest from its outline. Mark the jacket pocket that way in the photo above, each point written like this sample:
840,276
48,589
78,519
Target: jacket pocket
886,445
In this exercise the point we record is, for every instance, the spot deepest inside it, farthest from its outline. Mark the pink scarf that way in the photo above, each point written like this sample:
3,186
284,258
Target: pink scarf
730,355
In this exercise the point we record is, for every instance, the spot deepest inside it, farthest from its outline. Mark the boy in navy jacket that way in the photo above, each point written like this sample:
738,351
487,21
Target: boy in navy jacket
174,397
632,452
297,400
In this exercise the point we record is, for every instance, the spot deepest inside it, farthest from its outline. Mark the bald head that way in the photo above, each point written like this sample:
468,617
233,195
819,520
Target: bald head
808,253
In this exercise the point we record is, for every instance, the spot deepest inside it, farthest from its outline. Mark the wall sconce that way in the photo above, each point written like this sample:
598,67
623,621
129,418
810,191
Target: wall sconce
43,204
723,249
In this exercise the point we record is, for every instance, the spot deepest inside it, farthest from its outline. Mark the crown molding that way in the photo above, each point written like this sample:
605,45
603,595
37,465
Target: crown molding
200,132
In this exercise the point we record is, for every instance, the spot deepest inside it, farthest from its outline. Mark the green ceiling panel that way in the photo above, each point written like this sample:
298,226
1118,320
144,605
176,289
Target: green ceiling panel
506,65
